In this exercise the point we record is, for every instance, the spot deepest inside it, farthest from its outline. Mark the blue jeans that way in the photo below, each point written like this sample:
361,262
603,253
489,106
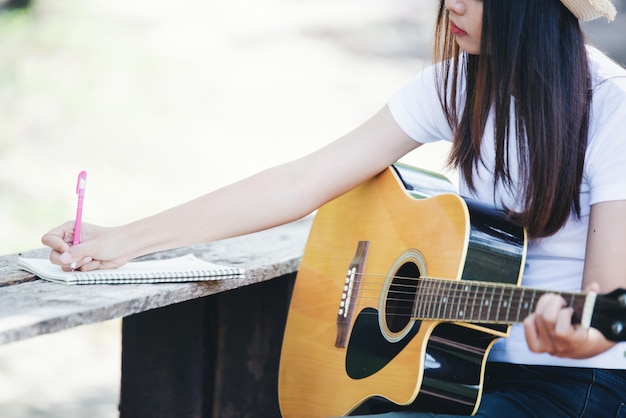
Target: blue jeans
516,391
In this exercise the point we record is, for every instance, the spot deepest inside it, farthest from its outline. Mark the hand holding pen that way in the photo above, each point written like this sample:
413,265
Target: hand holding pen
100,247
80,191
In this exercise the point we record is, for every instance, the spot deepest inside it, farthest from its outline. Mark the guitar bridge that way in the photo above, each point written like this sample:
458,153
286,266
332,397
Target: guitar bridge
350,291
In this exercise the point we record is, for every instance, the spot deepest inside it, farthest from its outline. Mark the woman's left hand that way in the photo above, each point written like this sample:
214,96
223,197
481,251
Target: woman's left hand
549,329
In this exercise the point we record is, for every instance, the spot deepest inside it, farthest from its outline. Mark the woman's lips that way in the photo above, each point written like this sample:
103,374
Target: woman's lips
455,29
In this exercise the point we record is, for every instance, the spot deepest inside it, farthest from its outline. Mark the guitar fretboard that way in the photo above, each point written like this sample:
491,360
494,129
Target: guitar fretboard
482,302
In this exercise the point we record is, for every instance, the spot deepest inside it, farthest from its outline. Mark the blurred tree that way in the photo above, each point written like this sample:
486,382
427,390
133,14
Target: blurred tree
15,4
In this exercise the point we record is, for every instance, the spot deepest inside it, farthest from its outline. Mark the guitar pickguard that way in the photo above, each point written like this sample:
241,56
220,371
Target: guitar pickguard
452,365
368,350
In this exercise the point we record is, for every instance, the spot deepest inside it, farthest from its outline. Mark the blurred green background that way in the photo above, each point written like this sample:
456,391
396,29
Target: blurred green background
162,101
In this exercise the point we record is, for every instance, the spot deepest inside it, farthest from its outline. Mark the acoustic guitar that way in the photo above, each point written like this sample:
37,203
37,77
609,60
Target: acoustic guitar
402,290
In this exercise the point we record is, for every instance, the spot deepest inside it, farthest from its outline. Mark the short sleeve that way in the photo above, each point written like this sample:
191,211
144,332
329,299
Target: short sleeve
605,164
417,110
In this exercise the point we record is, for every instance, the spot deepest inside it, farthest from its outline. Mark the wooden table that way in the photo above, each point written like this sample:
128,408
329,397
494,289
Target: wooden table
208,349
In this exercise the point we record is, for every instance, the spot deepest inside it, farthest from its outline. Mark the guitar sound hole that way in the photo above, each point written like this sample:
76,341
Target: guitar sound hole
401,297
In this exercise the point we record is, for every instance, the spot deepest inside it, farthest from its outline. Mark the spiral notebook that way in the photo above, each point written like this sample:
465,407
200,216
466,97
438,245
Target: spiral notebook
187,268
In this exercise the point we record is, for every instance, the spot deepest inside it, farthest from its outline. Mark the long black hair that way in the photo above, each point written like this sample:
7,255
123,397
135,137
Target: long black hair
533,56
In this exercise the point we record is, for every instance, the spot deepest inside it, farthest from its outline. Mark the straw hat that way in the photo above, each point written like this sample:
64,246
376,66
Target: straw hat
591,9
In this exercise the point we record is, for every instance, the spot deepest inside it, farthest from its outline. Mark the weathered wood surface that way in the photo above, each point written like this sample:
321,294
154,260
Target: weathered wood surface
30,306
214,357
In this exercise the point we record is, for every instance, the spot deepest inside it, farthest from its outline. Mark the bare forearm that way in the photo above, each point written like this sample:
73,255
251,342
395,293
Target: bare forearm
270,198
256,203
278,195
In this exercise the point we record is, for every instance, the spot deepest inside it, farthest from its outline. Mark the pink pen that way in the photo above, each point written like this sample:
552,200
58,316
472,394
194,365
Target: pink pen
80,191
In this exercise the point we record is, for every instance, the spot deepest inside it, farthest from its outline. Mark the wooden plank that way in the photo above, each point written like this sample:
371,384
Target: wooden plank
214,357
9,275
30,307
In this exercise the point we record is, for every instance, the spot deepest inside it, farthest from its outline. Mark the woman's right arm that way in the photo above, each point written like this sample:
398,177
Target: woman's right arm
272,197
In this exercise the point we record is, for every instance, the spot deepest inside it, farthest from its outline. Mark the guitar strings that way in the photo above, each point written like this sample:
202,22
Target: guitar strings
519,303
458,287
456,294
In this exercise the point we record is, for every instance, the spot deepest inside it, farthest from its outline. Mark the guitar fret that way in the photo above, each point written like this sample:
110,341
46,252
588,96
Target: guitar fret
424,290
581,308
441,301
452,299
425,297
528,302
482,303
418,303
572,300
500,303
428,299
437,298
432,299
454,306
455,299
466,291
444,300
458,311
509,303
472,316
531,307
428,313
490,303
435,306
519,305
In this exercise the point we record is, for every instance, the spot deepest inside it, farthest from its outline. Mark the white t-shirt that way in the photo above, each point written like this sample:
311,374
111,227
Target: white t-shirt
555,262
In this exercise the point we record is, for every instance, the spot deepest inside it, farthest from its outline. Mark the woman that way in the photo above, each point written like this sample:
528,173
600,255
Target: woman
537,123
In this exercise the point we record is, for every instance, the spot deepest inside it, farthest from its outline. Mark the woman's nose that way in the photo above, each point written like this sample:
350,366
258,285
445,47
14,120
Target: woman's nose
456,6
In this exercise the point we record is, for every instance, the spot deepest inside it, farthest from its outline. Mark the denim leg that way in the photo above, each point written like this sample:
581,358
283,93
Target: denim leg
543,391
517,391
607,395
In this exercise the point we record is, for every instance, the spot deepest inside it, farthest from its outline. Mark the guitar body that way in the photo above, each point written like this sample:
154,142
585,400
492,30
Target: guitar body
350,344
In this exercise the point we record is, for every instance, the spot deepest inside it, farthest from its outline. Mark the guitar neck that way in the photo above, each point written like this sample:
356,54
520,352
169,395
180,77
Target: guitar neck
490,303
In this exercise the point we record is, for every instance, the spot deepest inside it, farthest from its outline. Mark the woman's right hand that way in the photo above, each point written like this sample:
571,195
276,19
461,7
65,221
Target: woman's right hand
99,248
